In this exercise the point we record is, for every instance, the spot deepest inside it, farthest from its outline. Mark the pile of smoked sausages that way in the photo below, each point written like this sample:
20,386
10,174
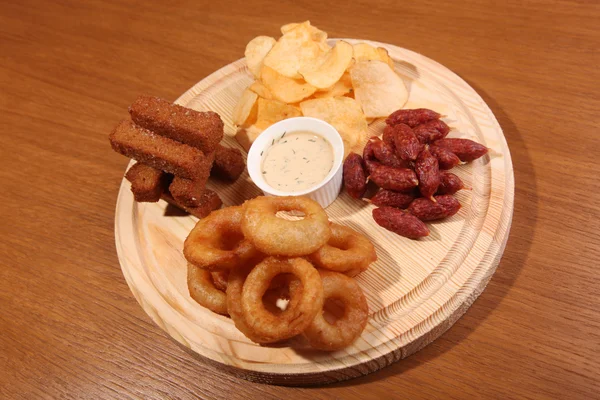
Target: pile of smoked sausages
410,165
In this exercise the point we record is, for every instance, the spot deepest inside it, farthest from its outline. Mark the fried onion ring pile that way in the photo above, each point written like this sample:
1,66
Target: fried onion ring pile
273,276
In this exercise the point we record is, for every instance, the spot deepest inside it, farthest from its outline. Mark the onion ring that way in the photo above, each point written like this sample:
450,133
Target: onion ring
352,272
302,307
235,284
216,242
219,278
275,236
346,251
323,335
284,289
203,290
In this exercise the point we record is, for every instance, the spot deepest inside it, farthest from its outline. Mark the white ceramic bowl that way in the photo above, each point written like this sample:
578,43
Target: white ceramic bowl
325,192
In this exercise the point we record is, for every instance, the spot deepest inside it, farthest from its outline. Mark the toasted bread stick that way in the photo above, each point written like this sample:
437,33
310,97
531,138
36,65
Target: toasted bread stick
160,152
203,130
229,163
210,201
147,183
187,192
143,176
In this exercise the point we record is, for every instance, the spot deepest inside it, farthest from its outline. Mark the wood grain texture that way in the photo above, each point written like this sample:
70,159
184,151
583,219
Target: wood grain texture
416,290
69,326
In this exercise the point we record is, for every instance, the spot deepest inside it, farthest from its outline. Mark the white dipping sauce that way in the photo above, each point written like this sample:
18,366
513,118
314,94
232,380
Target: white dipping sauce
297,161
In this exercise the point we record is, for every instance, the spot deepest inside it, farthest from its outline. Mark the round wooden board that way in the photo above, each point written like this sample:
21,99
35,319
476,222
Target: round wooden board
416,290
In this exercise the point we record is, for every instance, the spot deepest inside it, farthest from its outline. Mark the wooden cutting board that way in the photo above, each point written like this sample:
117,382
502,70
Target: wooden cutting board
415,291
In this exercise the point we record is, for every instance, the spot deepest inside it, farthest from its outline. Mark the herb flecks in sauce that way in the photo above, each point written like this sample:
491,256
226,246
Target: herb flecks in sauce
300,155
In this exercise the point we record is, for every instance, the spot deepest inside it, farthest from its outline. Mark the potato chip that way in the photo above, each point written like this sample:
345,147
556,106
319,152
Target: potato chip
343,113
385,57
288,27
271,111
377,88
366,52
329,67
285,89
256,50
324,47
316,34
245,110
293,50
260,89
340,88
297,105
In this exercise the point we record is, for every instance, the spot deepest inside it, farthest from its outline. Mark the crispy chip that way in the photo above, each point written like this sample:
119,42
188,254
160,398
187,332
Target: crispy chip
349,86
340,88
343,113
256,50
293,50
316,34
366,52
329,67
245,110
288,27
324,47
285,89
271,111
385,57
377,88
260,89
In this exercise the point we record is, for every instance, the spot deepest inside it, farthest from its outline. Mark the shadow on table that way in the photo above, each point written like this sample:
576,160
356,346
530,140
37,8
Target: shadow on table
514,258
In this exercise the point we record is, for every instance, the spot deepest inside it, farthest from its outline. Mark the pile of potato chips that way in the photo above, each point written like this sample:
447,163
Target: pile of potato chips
300,74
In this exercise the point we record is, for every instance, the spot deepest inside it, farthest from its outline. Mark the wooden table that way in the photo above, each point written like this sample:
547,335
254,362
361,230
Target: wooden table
69,326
